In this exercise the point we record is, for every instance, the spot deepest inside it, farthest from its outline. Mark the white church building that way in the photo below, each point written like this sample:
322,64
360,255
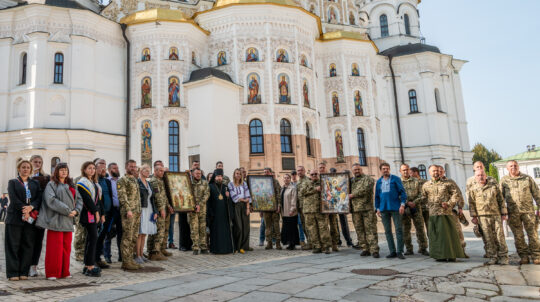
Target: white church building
253,83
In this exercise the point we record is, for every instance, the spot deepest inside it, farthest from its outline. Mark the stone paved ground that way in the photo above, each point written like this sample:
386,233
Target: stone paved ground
296,276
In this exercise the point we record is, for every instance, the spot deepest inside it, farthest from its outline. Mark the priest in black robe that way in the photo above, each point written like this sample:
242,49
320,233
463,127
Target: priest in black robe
219,213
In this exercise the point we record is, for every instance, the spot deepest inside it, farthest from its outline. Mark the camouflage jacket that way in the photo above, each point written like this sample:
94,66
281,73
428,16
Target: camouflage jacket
311,197
436,192
413,188
277,192
423,201
519,193
226,180
158,188
201,192
128,194
472,180
301,181
362,191
460,201
486,199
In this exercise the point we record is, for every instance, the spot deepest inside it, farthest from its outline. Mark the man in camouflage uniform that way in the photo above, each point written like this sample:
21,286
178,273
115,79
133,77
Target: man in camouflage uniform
415,172
363,212
478,165
271,219
332,218
130,210
460,202
301,179
519,190
154,242
413,212
316,222
197,219
488,210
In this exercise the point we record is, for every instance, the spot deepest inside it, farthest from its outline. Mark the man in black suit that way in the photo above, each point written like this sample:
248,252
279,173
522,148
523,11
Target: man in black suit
3,206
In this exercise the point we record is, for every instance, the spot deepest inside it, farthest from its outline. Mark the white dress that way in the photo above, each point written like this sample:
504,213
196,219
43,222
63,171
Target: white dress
147,227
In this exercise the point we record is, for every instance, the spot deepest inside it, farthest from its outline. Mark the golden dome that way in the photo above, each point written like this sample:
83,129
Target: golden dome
221,3
159,14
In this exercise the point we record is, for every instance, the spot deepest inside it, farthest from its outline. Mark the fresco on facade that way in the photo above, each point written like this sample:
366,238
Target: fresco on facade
174,92
352,19
146,92
252,55
355,71
305,93
304,61
173,53
332,16
221,58
146,142
339,146
254,96
335,104
358,106
333,70
145,55
284,92
282,56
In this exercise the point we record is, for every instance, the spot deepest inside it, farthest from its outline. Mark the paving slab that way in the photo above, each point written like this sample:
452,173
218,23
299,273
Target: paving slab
356,297
213,295
105,296
261,297
480,285
532,277
521,291
510,278
432,297
450,288
466,299
287,287
145,297
329,293
324,277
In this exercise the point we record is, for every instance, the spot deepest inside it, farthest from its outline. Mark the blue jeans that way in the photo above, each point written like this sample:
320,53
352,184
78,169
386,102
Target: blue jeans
300,231
387,217
171,228
261,231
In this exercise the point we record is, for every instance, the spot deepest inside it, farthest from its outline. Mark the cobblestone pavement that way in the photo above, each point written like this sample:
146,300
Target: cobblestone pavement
292,276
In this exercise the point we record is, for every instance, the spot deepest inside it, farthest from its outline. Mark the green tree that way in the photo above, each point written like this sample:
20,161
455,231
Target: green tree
493,172
486,156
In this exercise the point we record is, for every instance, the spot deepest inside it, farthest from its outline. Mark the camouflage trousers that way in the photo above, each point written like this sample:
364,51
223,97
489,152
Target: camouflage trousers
493,236
418,221
527,221
80,240
425,216
334,228
365,225
130,232
317,226
197,225
162,231
271,223
457,224
303,220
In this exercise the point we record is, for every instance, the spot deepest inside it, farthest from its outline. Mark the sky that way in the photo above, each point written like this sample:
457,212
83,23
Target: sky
501,81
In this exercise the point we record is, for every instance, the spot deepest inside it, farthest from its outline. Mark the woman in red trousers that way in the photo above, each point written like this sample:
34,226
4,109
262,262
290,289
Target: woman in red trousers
61,204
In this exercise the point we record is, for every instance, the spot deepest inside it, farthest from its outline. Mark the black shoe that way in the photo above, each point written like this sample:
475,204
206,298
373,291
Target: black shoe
108,260
424,252
400,256
84,270
119,258
409,253
365,253
196,252
451,259
356,247
290,247
349,244
204,252
183,249
376,255
93,273
392,255
441,260
317,251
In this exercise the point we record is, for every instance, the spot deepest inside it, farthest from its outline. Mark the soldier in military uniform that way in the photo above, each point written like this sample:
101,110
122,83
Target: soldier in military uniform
197,219
130,210
413,211
441,198
478,165
519,190
460,203
415,172
154,242
301,179
271,219
332,218
316,222
363,212
488,210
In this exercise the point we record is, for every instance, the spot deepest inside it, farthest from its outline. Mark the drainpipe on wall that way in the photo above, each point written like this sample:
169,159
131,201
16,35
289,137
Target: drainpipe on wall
397,109
128,85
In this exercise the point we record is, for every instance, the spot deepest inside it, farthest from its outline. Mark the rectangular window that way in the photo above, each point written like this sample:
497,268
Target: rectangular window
288,163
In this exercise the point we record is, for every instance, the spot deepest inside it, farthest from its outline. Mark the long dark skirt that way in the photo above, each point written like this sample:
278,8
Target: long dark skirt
289,231
443,238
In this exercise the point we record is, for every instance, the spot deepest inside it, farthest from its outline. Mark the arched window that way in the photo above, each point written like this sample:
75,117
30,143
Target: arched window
58,68
362,158
422,171
54,161
24,58
413,104
438,100
536,172
256,138
308,140
407,24
174,146
383,21
286,136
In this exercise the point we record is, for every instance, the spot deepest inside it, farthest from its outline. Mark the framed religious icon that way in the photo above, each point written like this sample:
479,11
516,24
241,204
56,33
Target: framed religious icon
261,188
179,191
335,193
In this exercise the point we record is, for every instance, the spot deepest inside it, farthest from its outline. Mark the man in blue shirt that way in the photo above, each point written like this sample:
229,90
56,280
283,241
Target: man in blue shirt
390,198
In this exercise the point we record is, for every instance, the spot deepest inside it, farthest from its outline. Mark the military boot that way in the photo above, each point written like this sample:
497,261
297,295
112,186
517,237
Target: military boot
157,256
335,248
524,260
278,245
316,251
503,261
269,245
327,250
165,253
306,247
130,265
492,261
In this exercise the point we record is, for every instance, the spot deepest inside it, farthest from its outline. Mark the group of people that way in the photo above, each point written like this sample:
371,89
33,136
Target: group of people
136,209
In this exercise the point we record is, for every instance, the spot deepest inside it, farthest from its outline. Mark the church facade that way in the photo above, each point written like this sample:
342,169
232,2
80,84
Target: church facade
253,83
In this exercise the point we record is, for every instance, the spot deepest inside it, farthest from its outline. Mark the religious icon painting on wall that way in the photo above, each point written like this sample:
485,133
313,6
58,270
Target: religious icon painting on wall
304,61
283,87
339,146
355,71
312,8
261,188
358,107
174,92
332,16
145,55
221,58
179,191
146,142
282,56
146,92
252,55
254,94
193,58
335,104
333,70
173,53
305,93
335,193
351,19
